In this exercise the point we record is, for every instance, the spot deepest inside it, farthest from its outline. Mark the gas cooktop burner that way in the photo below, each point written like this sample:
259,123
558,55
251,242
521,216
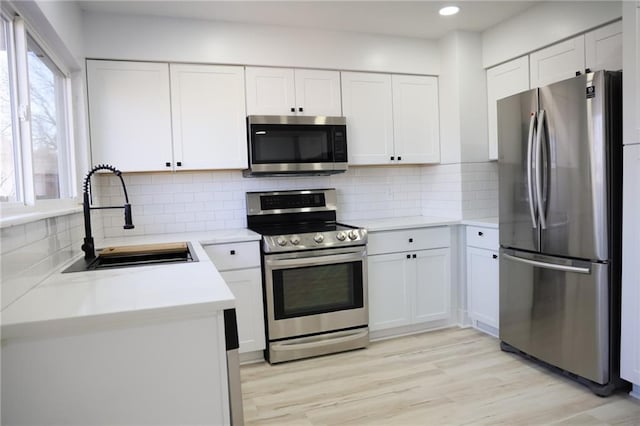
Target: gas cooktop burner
299,220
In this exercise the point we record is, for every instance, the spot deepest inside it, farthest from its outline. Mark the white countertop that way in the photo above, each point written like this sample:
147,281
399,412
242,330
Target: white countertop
395,223
81,301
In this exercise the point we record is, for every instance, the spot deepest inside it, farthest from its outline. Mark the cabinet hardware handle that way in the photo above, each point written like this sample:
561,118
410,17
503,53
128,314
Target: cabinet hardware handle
410,240
179,164
408,256
578,73
392,158
480,233
399,158
300,109
168,164
495,256
587,70
293,109
232,252
415,255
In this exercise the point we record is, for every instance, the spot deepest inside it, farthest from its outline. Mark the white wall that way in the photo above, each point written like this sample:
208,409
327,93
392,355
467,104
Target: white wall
59,27
543,25
110,36
463,99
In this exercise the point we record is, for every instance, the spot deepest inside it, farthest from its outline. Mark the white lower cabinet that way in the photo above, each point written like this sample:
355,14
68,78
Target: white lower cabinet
239,265
483,290
409,287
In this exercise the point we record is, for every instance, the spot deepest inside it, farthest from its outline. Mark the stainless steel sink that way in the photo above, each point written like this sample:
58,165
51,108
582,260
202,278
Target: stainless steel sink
141,255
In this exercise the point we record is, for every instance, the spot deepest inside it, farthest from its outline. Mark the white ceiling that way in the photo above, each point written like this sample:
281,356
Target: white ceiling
391,17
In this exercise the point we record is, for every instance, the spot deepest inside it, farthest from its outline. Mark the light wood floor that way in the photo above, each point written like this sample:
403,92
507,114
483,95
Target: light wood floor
454,376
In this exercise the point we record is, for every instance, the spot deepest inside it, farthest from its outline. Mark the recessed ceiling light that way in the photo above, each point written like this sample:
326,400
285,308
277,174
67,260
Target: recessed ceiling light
449,10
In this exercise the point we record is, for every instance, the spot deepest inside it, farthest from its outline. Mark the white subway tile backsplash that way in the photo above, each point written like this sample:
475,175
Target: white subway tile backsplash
32,251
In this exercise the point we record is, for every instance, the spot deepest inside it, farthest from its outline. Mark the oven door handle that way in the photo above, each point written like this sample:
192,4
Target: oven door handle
314,260
319,341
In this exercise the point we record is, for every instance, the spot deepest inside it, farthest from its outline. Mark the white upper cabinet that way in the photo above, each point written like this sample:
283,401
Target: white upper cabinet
391,119
502,81
603,48
415,119
367,106
318,92
208,116
557,62
130,114
152,116
285,91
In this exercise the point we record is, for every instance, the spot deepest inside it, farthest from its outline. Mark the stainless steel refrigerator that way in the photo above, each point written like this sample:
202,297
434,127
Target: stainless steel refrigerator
560,171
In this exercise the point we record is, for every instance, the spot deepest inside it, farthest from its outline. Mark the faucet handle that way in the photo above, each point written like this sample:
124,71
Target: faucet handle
128,222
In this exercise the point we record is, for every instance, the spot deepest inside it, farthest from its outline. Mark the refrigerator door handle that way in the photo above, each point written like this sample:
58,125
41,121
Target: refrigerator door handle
546,265
540,131
532,208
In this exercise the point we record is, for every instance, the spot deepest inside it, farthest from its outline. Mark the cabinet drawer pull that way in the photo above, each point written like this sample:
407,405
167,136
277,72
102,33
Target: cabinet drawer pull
399,158
179,164
232,252
293,109
392,158
480,233
410,240
408,256
495,256
300,109
414,256
167,164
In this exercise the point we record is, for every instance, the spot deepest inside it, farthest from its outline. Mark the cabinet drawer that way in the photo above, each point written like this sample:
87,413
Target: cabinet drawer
482,237
234,255
408,240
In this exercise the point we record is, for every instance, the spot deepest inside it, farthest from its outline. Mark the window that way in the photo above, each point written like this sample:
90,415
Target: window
8,169
34,121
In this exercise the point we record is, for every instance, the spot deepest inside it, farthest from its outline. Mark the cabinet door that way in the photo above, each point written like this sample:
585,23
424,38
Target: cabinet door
557,62
366,104
482,285
130,115
502,81
630,345
415,119
318,93
432,297
389,291
270,91
208,117
603,48
246,286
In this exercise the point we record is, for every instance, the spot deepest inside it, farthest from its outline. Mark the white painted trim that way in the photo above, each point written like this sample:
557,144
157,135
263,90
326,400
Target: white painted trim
27,215
635,392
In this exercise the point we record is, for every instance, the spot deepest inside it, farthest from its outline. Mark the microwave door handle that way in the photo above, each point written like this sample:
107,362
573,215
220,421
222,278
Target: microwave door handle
314,260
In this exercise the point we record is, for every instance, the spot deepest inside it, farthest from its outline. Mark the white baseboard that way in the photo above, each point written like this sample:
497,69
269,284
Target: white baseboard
635,392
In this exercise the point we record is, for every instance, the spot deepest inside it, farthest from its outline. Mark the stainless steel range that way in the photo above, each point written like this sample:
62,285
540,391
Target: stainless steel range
314,274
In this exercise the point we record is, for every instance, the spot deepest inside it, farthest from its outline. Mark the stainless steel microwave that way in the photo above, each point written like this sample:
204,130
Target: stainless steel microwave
296,144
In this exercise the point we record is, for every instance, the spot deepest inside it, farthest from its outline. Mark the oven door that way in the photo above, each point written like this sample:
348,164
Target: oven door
316,291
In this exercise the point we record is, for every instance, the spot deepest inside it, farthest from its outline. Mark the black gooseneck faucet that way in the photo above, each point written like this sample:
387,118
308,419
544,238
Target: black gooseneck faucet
88,247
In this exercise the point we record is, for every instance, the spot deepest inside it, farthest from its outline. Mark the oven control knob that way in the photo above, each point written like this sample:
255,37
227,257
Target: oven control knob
295,240
353,235
318,238
341,236
282,241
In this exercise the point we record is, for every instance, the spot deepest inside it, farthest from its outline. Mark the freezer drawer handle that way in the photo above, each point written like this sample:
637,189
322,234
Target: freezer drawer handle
546,265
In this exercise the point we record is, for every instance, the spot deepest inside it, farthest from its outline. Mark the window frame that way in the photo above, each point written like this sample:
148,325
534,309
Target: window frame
26,204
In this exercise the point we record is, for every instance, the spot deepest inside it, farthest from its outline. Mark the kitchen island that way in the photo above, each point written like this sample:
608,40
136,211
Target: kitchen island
137,345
